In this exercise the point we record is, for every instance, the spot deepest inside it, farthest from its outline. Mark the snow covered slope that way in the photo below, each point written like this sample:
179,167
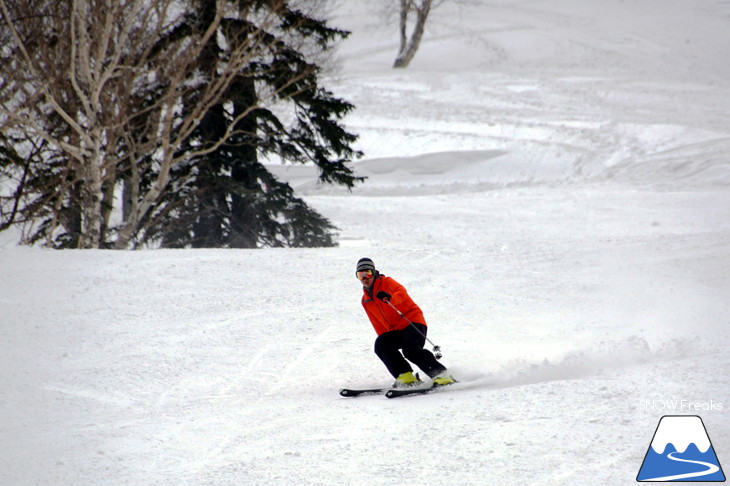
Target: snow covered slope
550,180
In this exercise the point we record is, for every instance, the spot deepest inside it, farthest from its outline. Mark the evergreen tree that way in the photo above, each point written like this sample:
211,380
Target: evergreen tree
172,107
227,198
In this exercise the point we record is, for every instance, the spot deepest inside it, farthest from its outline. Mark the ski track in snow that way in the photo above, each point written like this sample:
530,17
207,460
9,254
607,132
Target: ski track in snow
550,181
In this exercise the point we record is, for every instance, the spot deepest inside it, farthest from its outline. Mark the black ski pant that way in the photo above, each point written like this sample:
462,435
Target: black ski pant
411,341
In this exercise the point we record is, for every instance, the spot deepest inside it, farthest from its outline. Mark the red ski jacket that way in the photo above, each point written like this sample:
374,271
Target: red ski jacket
382,316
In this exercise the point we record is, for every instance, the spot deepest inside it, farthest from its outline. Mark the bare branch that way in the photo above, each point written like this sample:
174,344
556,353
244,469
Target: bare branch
119,88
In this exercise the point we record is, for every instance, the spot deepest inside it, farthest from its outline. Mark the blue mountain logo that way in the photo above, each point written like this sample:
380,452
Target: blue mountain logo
681,451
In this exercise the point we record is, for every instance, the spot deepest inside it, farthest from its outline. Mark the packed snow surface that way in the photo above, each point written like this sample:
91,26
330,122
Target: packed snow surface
551,182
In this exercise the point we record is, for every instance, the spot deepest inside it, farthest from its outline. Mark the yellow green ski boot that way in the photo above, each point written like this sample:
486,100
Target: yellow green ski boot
406,380
443,379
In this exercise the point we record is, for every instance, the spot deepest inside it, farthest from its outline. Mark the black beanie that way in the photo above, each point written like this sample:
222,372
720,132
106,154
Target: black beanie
364,264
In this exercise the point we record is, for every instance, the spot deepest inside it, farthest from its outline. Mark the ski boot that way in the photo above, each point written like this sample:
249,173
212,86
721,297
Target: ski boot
443,379
406,380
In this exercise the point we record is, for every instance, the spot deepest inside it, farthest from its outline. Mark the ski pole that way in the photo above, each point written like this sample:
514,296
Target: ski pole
436,349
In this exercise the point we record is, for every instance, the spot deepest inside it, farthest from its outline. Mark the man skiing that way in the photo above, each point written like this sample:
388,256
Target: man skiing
396,332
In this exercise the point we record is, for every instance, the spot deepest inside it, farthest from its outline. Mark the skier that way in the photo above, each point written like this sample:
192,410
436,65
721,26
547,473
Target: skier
396,332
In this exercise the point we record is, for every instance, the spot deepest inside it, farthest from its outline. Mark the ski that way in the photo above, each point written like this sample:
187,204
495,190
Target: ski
404,392
392,392
358,392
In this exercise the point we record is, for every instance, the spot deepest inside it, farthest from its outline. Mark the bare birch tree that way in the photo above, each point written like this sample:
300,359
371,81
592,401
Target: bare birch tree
409,43
116,87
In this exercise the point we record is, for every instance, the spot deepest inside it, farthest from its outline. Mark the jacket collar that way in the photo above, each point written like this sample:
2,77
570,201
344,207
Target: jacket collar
369,290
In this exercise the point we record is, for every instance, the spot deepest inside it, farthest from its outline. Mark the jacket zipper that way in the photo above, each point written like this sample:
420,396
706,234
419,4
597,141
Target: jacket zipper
377,306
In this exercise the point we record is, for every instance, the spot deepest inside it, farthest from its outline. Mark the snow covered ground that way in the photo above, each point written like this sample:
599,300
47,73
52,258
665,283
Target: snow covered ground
551,182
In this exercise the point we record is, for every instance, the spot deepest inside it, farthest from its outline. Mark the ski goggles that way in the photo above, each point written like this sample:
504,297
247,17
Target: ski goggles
364,274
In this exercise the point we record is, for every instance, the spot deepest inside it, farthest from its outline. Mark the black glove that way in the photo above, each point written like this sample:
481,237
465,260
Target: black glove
383,295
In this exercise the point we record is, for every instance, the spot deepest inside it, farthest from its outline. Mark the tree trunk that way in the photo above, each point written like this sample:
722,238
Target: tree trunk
404,7
245,229
409,51
91,196
132,224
